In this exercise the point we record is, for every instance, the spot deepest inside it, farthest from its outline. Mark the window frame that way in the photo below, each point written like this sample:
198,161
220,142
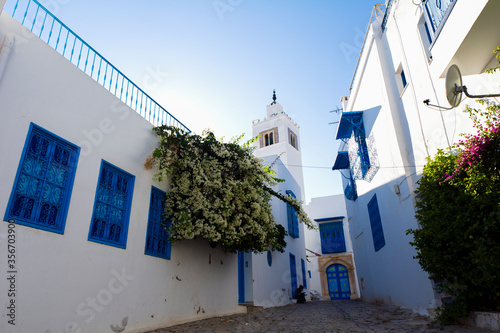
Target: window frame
128,206
292,139
268,137
73,158
168,246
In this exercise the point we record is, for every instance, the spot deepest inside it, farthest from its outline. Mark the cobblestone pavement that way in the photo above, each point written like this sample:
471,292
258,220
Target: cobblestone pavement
320,316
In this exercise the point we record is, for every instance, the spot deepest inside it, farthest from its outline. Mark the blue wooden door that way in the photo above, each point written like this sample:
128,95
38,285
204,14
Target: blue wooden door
241,277
338,282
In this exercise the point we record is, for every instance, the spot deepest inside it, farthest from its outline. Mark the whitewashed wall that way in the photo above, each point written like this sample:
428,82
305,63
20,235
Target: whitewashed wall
405,132
65,281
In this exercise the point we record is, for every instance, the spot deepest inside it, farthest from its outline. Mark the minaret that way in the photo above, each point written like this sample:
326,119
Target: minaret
280,137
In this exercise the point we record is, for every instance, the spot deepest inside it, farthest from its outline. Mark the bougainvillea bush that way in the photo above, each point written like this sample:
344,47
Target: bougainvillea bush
219,192
458,241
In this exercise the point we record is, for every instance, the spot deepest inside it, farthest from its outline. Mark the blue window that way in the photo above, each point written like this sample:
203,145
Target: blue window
42,189
113,199
304,277
293,222
269,258
403,78
157,239
293,274
332,237
376,224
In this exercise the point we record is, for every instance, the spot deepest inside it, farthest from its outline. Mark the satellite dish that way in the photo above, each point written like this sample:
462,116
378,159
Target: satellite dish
453,81
454,90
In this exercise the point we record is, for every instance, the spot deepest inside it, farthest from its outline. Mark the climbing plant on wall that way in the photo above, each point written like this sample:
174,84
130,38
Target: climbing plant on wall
219,191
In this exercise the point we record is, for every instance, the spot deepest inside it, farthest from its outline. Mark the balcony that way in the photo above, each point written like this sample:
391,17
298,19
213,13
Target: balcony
467,37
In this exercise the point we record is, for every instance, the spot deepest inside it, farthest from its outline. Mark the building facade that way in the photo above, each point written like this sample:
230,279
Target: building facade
330,257
387,131
271,279
82,214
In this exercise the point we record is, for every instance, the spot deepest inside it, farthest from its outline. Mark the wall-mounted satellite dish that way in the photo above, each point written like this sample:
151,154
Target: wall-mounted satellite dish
454,87
453,80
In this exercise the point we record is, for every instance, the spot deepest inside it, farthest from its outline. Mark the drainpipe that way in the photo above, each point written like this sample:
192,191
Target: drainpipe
5,51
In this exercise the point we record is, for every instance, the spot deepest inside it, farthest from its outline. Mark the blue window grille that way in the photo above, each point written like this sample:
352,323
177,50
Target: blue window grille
376,224
293,274
293,222
157,237
113,199
332,237
42,189
304,277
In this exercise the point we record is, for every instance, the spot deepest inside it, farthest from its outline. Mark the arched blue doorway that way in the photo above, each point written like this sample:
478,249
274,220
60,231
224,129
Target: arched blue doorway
338,282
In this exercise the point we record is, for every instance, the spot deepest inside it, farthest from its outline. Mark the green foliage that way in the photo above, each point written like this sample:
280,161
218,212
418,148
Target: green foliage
219,191
459,216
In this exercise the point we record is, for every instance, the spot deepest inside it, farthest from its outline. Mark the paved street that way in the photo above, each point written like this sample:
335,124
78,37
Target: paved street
320,316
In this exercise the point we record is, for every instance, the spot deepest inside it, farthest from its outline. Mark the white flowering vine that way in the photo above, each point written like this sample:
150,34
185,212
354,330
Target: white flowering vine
219,191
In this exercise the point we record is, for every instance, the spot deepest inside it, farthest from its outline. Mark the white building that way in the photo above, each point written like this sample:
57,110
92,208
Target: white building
271,279
330,257
85,253
387,131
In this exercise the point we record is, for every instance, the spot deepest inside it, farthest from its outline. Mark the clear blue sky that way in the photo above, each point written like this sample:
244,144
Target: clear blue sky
214,64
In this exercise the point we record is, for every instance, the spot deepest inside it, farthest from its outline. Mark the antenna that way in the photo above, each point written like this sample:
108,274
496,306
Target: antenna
454,89
337,110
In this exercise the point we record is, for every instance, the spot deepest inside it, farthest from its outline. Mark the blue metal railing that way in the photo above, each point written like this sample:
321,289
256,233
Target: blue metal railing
387,13
40,21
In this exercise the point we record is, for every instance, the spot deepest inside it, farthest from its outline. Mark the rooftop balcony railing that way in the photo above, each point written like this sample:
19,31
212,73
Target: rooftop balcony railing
47,27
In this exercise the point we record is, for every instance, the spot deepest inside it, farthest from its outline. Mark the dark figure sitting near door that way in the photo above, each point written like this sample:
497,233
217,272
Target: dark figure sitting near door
300,295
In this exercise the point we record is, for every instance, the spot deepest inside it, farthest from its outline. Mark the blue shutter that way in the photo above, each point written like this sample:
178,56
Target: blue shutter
293,222
293,274
42,189
157,238
113,199
376,224
332,237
